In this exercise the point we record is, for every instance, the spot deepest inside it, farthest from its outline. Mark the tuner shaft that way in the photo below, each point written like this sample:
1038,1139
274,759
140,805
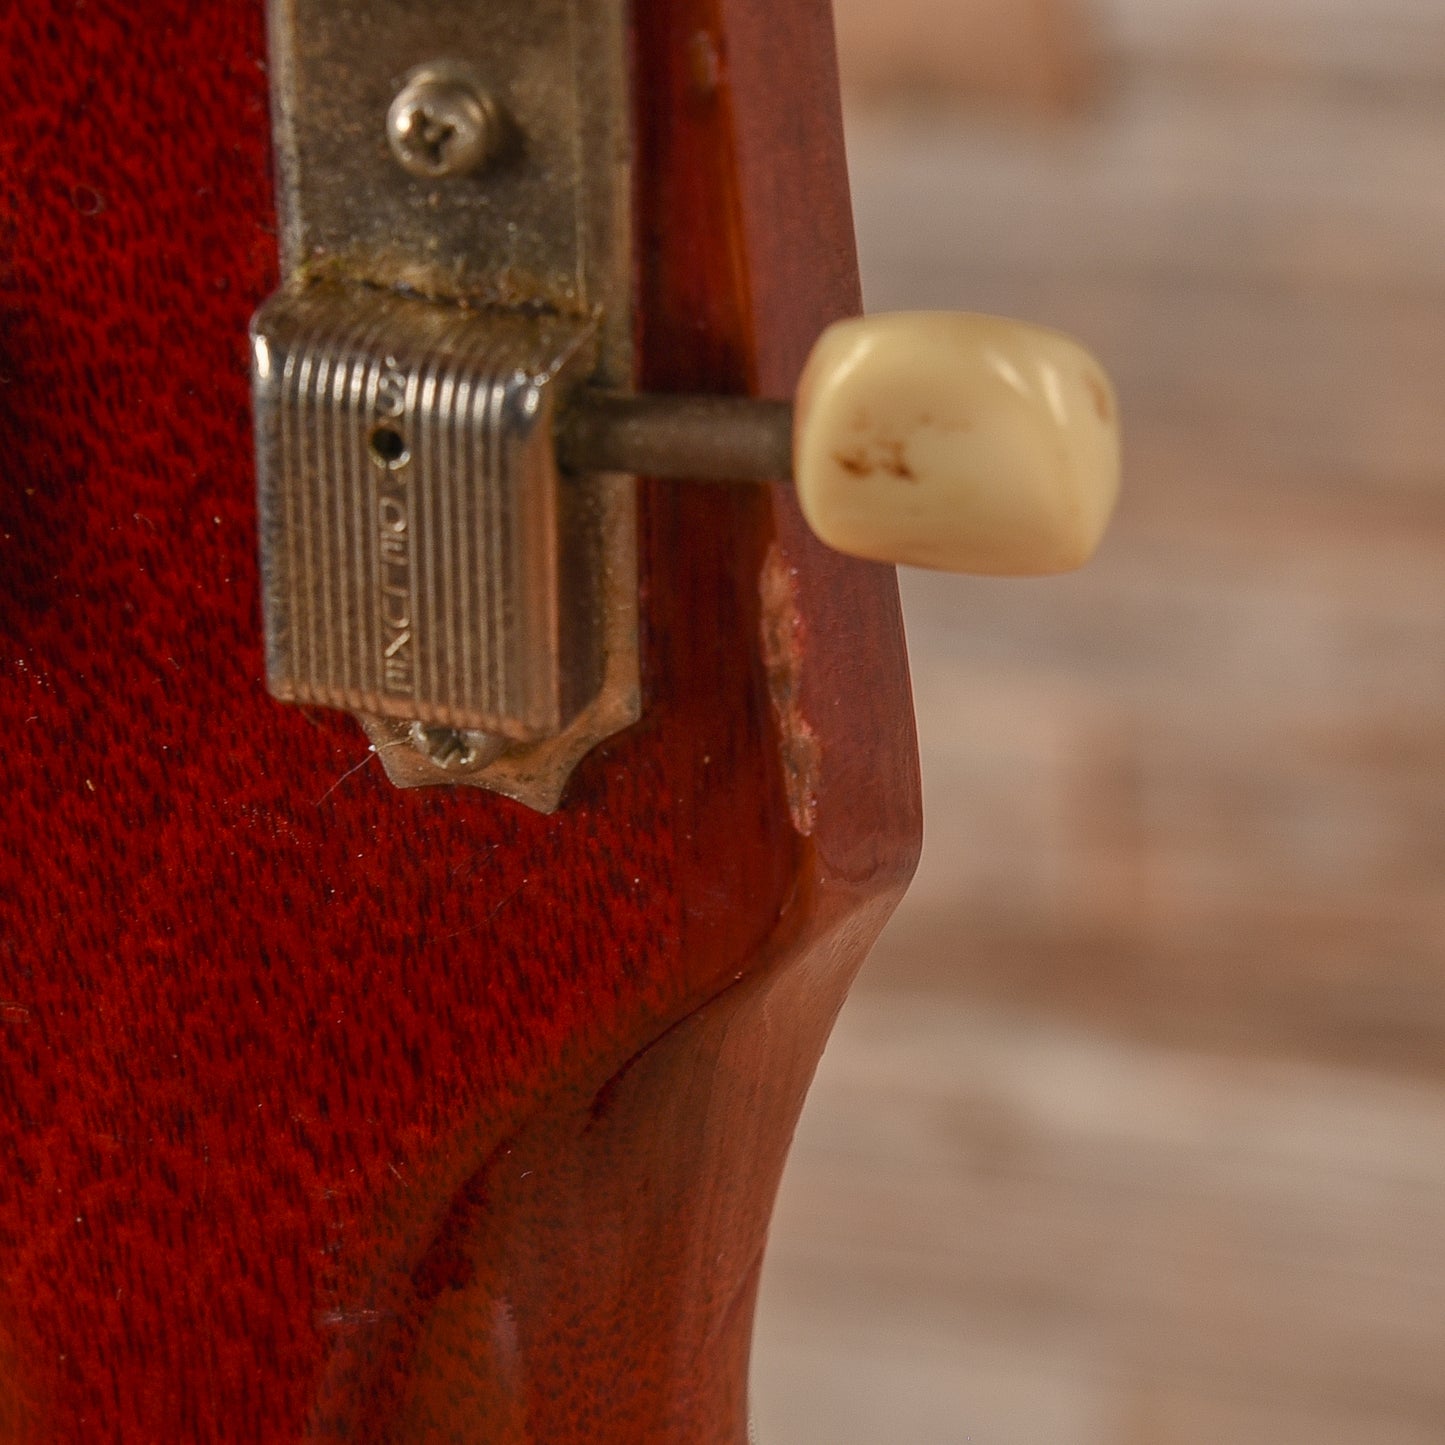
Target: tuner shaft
678,438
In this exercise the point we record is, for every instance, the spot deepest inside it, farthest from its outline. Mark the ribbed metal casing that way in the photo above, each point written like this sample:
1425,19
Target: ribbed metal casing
415,544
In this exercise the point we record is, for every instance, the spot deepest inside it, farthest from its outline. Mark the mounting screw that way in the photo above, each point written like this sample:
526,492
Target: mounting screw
442,124
457,750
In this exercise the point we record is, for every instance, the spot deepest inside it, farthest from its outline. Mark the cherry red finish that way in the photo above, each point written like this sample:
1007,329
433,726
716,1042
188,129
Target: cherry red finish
327,1111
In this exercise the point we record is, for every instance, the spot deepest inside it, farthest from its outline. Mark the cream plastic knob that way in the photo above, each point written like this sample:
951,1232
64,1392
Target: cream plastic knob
958,442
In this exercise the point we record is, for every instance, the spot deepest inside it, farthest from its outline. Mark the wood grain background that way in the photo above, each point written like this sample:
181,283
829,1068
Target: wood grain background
1135,1134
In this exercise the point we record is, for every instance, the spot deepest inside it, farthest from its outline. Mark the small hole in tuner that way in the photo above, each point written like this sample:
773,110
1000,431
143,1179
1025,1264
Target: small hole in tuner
389,449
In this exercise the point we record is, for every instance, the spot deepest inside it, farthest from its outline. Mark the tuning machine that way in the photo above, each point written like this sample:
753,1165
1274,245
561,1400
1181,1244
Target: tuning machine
946,440
446,437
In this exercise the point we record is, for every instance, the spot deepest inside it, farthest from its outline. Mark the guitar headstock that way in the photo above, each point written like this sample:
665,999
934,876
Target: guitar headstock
363,1112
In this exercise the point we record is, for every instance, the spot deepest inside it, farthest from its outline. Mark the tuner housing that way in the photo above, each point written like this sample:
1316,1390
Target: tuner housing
422,560
424,568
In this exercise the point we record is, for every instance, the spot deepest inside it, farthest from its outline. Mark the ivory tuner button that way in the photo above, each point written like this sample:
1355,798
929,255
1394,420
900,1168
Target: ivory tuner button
957,442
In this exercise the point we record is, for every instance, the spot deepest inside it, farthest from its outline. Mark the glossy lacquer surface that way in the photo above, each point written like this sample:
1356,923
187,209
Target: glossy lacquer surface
332,1112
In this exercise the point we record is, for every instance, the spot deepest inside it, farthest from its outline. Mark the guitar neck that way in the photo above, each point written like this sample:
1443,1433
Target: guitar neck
333,1110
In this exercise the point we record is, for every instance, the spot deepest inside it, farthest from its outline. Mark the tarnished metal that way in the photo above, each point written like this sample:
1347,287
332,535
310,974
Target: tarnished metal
443,123
692,438
420,563
462,289
458,750
546,225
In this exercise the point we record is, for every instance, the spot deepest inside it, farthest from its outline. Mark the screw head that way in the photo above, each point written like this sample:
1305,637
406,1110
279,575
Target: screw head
456,750
442,124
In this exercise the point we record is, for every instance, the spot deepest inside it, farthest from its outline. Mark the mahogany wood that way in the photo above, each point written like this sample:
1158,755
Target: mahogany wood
331,1112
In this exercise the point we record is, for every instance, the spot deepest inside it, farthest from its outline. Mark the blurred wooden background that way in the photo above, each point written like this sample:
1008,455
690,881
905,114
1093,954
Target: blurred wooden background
1135,1132
1013,54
